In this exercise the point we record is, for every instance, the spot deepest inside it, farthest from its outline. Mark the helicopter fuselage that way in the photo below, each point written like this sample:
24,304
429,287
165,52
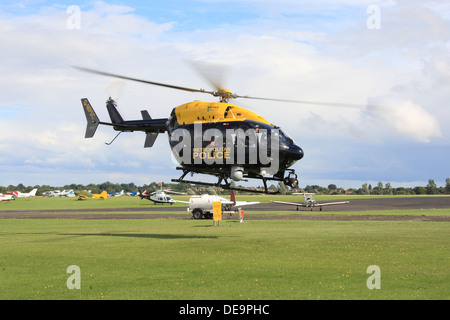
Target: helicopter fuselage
223,139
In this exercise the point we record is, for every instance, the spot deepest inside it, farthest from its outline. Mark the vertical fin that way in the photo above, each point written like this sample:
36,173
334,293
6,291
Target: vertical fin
232,197
150,139
113,113
91,117
145,115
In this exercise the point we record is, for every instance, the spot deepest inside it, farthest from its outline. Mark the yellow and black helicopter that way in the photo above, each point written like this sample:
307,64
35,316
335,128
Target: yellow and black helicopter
214,138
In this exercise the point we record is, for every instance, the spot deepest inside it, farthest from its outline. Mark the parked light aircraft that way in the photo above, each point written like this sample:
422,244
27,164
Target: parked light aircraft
52,194
7,197
116,194
19,194
57,193
102,195
309,202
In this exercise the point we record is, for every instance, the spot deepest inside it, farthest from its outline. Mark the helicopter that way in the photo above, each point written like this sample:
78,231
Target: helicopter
160,196
213,138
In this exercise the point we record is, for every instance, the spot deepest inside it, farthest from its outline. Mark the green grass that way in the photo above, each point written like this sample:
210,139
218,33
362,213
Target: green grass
63,203
190,259
40,203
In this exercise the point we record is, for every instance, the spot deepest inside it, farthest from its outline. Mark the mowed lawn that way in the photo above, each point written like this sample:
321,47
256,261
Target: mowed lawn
191,259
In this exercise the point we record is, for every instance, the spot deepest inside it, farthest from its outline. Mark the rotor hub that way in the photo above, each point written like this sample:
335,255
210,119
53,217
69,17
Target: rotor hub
224,94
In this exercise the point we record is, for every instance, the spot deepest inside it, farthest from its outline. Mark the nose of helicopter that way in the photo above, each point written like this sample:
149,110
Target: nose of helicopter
295,153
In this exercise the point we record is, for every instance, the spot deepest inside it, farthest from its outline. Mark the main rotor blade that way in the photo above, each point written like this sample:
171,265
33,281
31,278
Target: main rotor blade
329,104
140,80
219,93
211,72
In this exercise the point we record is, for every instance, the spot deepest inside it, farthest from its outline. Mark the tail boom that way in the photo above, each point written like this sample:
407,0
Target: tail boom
152,127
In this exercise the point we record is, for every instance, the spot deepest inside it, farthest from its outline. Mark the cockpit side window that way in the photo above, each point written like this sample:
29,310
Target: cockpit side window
288,138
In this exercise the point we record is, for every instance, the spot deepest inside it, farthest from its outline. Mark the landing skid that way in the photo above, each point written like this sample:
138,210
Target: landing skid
224,184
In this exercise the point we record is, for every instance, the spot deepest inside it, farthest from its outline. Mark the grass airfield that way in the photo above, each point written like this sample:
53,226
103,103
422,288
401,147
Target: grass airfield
191,259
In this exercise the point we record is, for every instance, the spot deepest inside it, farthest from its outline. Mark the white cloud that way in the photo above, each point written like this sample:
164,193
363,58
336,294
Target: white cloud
405,117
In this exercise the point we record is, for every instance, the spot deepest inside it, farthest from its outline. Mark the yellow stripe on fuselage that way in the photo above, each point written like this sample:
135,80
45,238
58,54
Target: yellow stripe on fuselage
210,112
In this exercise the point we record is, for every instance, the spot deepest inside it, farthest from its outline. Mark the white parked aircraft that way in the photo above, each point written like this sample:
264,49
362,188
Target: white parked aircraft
58,193
116,194
309,202
7,197
19,194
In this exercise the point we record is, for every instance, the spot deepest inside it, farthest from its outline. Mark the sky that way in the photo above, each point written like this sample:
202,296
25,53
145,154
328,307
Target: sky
393,57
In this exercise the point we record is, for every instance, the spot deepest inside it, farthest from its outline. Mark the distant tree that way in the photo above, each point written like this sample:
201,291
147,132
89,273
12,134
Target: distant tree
312,189
378,189
431,187
420,190
364,189
447,186
388,189
332,187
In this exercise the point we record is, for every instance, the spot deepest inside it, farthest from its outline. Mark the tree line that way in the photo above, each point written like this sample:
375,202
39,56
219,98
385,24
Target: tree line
386,189
365,189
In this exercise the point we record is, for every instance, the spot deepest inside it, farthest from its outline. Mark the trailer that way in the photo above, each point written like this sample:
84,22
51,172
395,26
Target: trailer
201,207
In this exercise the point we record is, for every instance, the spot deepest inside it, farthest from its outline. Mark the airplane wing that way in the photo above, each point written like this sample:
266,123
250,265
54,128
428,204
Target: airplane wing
245,203
290,203
181,201
237,203
330,203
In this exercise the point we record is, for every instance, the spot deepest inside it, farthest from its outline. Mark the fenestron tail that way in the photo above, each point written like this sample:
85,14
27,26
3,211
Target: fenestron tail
91,117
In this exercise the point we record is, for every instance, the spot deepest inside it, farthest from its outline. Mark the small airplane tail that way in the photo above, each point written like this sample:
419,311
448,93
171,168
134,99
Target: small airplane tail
232,197
33,192
142,194
91,117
